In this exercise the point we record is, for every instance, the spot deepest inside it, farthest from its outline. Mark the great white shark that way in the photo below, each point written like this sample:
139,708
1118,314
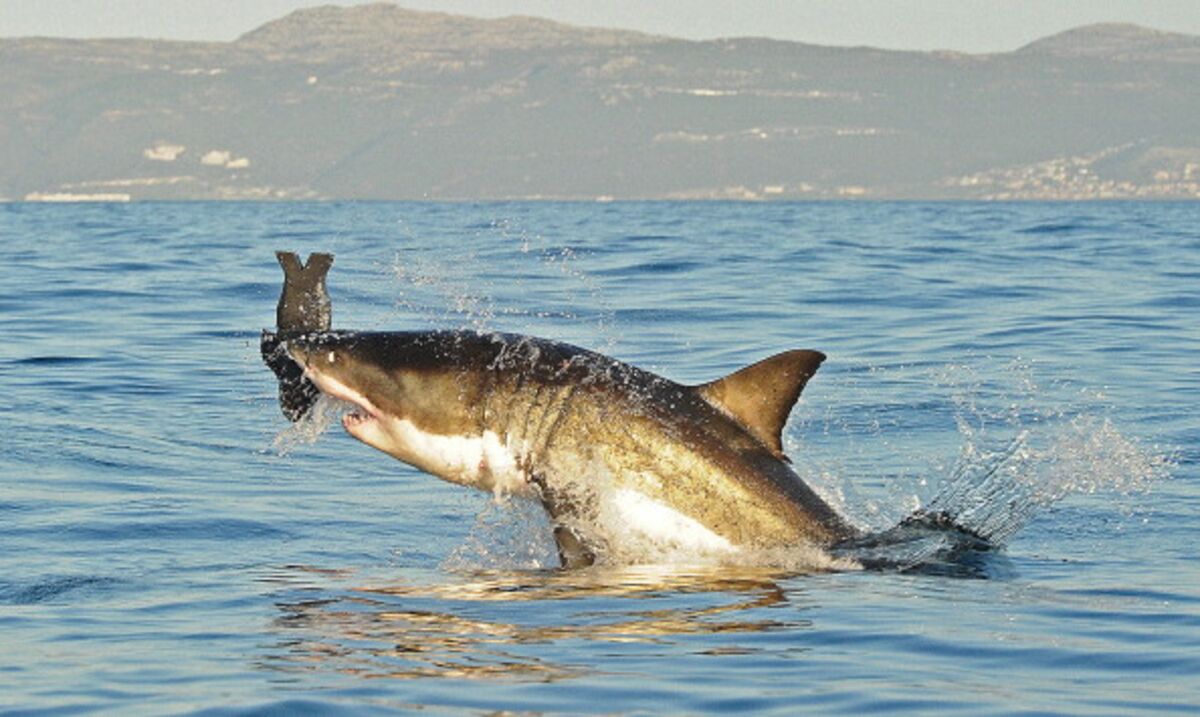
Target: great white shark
616,454
627,463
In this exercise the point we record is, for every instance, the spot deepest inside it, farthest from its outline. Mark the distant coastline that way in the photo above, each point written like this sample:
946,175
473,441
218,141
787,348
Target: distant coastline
60,197
378,102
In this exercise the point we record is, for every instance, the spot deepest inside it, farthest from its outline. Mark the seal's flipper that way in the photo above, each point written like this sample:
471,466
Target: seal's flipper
304,307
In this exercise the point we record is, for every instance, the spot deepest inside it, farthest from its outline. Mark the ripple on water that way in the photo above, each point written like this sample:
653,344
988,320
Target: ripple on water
49,589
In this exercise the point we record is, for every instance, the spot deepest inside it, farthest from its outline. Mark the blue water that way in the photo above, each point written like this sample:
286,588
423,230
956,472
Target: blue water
170,544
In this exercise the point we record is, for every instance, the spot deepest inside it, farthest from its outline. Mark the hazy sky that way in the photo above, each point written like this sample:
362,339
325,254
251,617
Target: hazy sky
968,25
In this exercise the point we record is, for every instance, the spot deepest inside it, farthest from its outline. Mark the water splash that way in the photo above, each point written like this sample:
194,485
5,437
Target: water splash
1061,444
454,296
509,533
442,294
1021,446
1083,455
325,412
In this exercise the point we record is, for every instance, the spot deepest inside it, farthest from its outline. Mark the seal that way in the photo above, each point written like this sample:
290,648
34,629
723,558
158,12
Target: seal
304,307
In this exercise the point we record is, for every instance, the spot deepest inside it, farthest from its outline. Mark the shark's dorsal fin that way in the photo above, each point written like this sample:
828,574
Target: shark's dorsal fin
761,396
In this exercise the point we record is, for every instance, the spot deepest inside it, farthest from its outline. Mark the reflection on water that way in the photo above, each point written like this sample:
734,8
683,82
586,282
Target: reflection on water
504,625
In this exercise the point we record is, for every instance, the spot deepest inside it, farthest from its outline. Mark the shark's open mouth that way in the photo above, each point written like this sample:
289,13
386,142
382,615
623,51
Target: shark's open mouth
356,418
363,411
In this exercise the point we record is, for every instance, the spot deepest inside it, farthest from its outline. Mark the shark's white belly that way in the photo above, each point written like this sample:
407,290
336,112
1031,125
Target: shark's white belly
628,521
486,461
636,518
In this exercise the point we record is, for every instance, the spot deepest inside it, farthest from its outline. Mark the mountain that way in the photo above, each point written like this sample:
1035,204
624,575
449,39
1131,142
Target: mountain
382,30
1120,42
375,101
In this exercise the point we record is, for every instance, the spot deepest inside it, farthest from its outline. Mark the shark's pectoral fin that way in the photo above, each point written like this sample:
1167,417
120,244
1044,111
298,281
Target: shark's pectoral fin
761,396
573,552
573,548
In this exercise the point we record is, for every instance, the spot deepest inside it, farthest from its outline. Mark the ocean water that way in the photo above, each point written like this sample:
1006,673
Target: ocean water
170,544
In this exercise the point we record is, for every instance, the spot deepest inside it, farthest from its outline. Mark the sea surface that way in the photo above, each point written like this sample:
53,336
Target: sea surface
170,544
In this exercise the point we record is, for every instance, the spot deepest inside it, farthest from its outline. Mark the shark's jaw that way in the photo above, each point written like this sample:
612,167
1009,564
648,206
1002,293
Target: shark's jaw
364,417
364,421
484,461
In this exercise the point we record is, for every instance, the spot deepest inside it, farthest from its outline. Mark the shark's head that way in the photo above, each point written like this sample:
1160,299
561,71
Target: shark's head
412,397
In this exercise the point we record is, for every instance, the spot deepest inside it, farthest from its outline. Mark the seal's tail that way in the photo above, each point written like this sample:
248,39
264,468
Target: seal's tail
304,304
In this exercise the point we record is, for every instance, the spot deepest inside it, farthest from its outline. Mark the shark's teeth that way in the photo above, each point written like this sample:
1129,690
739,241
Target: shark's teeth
331,386
356,417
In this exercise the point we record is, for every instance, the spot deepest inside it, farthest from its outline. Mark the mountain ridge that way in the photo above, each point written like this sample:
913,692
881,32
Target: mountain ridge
1116,40
375,20
381,23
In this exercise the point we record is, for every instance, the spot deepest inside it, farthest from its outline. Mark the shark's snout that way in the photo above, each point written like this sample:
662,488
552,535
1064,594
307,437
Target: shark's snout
304,354
325,364
298,353
311,352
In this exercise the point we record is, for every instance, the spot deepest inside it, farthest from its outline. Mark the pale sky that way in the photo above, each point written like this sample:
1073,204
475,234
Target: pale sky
966,25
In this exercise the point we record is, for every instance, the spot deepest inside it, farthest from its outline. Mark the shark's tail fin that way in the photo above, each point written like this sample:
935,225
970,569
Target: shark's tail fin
924,541
977,508
984,495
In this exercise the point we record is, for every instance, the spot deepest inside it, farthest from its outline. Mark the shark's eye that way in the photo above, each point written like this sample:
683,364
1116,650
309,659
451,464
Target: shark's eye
331,357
